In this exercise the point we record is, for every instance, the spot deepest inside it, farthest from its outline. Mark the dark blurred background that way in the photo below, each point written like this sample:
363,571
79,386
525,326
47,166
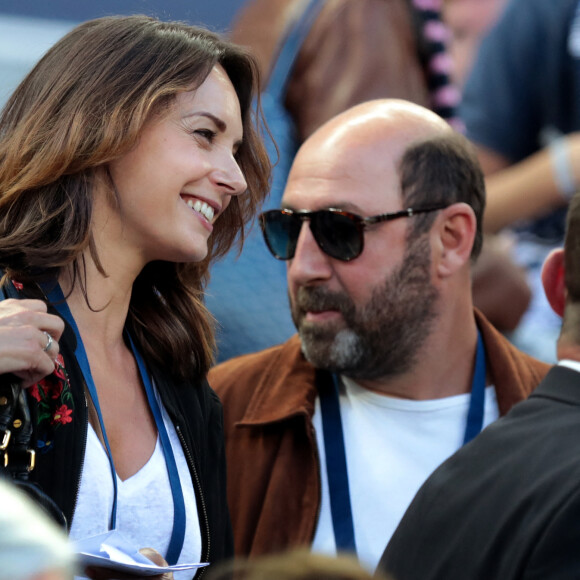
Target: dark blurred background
214,13
29,27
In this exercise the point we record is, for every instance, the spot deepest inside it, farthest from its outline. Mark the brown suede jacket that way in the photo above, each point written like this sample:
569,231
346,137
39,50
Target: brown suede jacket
273,465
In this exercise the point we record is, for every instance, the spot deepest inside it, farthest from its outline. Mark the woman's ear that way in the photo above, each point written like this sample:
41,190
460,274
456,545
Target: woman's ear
455,229
553,281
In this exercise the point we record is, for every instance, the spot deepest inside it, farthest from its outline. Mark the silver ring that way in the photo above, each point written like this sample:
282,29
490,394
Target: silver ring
49,341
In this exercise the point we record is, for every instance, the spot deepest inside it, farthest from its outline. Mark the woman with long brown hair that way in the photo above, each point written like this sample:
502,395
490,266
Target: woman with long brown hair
129,159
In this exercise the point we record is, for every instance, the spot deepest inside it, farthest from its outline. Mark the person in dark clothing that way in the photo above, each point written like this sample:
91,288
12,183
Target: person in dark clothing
507,505
521,108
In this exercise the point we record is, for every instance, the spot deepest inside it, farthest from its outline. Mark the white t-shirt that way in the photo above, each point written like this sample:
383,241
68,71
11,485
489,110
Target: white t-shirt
144,501
392,445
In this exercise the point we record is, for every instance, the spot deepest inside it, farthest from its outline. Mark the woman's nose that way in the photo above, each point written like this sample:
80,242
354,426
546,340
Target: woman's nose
229,176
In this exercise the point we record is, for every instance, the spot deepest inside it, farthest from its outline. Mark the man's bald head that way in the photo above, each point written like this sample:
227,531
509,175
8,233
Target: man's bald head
415,150
392,120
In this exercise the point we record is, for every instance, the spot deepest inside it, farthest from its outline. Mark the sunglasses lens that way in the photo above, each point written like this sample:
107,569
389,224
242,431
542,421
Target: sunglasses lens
281,231
337,234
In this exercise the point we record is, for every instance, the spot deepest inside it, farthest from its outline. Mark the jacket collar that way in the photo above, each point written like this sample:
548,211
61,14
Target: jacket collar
285,389
512,372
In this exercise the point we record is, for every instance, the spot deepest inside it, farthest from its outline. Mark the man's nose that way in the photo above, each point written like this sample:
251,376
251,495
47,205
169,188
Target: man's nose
309,263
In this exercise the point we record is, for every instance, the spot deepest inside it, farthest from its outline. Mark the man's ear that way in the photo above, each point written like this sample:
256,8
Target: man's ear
455,230
553,281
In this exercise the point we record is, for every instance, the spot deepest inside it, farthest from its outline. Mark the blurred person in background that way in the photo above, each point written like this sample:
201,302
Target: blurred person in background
318,58
468,22
32,546
521,108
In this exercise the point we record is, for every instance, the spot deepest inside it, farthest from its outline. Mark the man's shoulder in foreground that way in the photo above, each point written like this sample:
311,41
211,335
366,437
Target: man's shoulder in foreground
515,485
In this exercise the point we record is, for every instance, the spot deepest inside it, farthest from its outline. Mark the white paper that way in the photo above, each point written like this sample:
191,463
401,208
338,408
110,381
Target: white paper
112,550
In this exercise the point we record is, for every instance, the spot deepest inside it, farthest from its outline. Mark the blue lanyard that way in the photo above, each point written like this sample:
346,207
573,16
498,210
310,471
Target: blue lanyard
336,468
474,423
178,533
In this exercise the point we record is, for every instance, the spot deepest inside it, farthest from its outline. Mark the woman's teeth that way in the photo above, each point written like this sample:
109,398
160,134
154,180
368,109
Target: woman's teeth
201,207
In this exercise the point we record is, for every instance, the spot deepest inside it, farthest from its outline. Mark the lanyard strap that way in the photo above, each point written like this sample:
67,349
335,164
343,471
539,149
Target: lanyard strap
336,468
178,532
474,423
57,299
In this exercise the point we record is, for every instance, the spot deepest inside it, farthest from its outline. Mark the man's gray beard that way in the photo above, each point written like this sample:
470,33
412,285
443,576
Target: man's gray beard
346,349
383,338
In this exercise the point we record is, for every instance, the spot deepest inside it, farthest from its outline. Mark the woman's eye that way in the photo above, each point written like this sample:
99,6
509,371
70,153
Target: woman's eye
206,134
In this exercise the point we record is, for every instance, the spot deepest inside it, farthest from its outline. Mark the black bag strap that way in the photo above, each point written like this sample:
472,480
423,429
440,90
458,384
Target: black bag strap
17,457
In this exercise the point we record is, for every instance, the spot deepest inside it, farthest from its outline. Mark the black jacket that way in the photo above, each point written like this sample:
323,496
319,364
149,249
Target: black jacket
507,505
60,416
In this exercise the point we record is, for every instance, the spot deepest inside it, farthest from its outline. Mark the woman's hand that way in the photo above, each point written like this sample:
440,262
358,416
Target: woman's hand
96,573
29,338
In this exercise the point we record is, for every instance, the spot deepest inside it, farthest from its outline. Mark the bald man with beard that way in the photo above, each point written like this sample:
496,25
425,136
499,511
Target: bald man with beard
329,435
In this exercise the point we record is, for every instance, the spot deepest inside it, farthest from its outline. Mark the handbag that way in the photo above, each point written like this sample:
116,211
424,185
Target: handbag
17,453
16,456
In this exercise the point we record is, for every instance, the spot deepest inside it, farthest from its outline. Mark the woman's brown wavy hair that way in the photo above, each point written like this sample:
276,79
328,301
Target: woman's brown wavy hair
85,104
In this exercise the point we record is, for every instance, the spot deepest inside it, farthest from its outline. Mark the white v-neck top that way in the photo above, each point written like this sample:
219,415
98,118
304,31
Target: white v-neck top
144,500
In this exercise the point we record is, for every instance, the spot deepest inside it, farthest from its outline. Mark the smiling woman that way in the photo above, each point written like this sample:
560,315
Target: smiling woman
129,160
187,154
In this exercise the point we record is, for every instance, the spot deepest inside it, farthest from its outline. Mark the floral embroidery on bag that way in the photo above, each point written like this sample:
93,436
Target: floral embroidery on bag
55,403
